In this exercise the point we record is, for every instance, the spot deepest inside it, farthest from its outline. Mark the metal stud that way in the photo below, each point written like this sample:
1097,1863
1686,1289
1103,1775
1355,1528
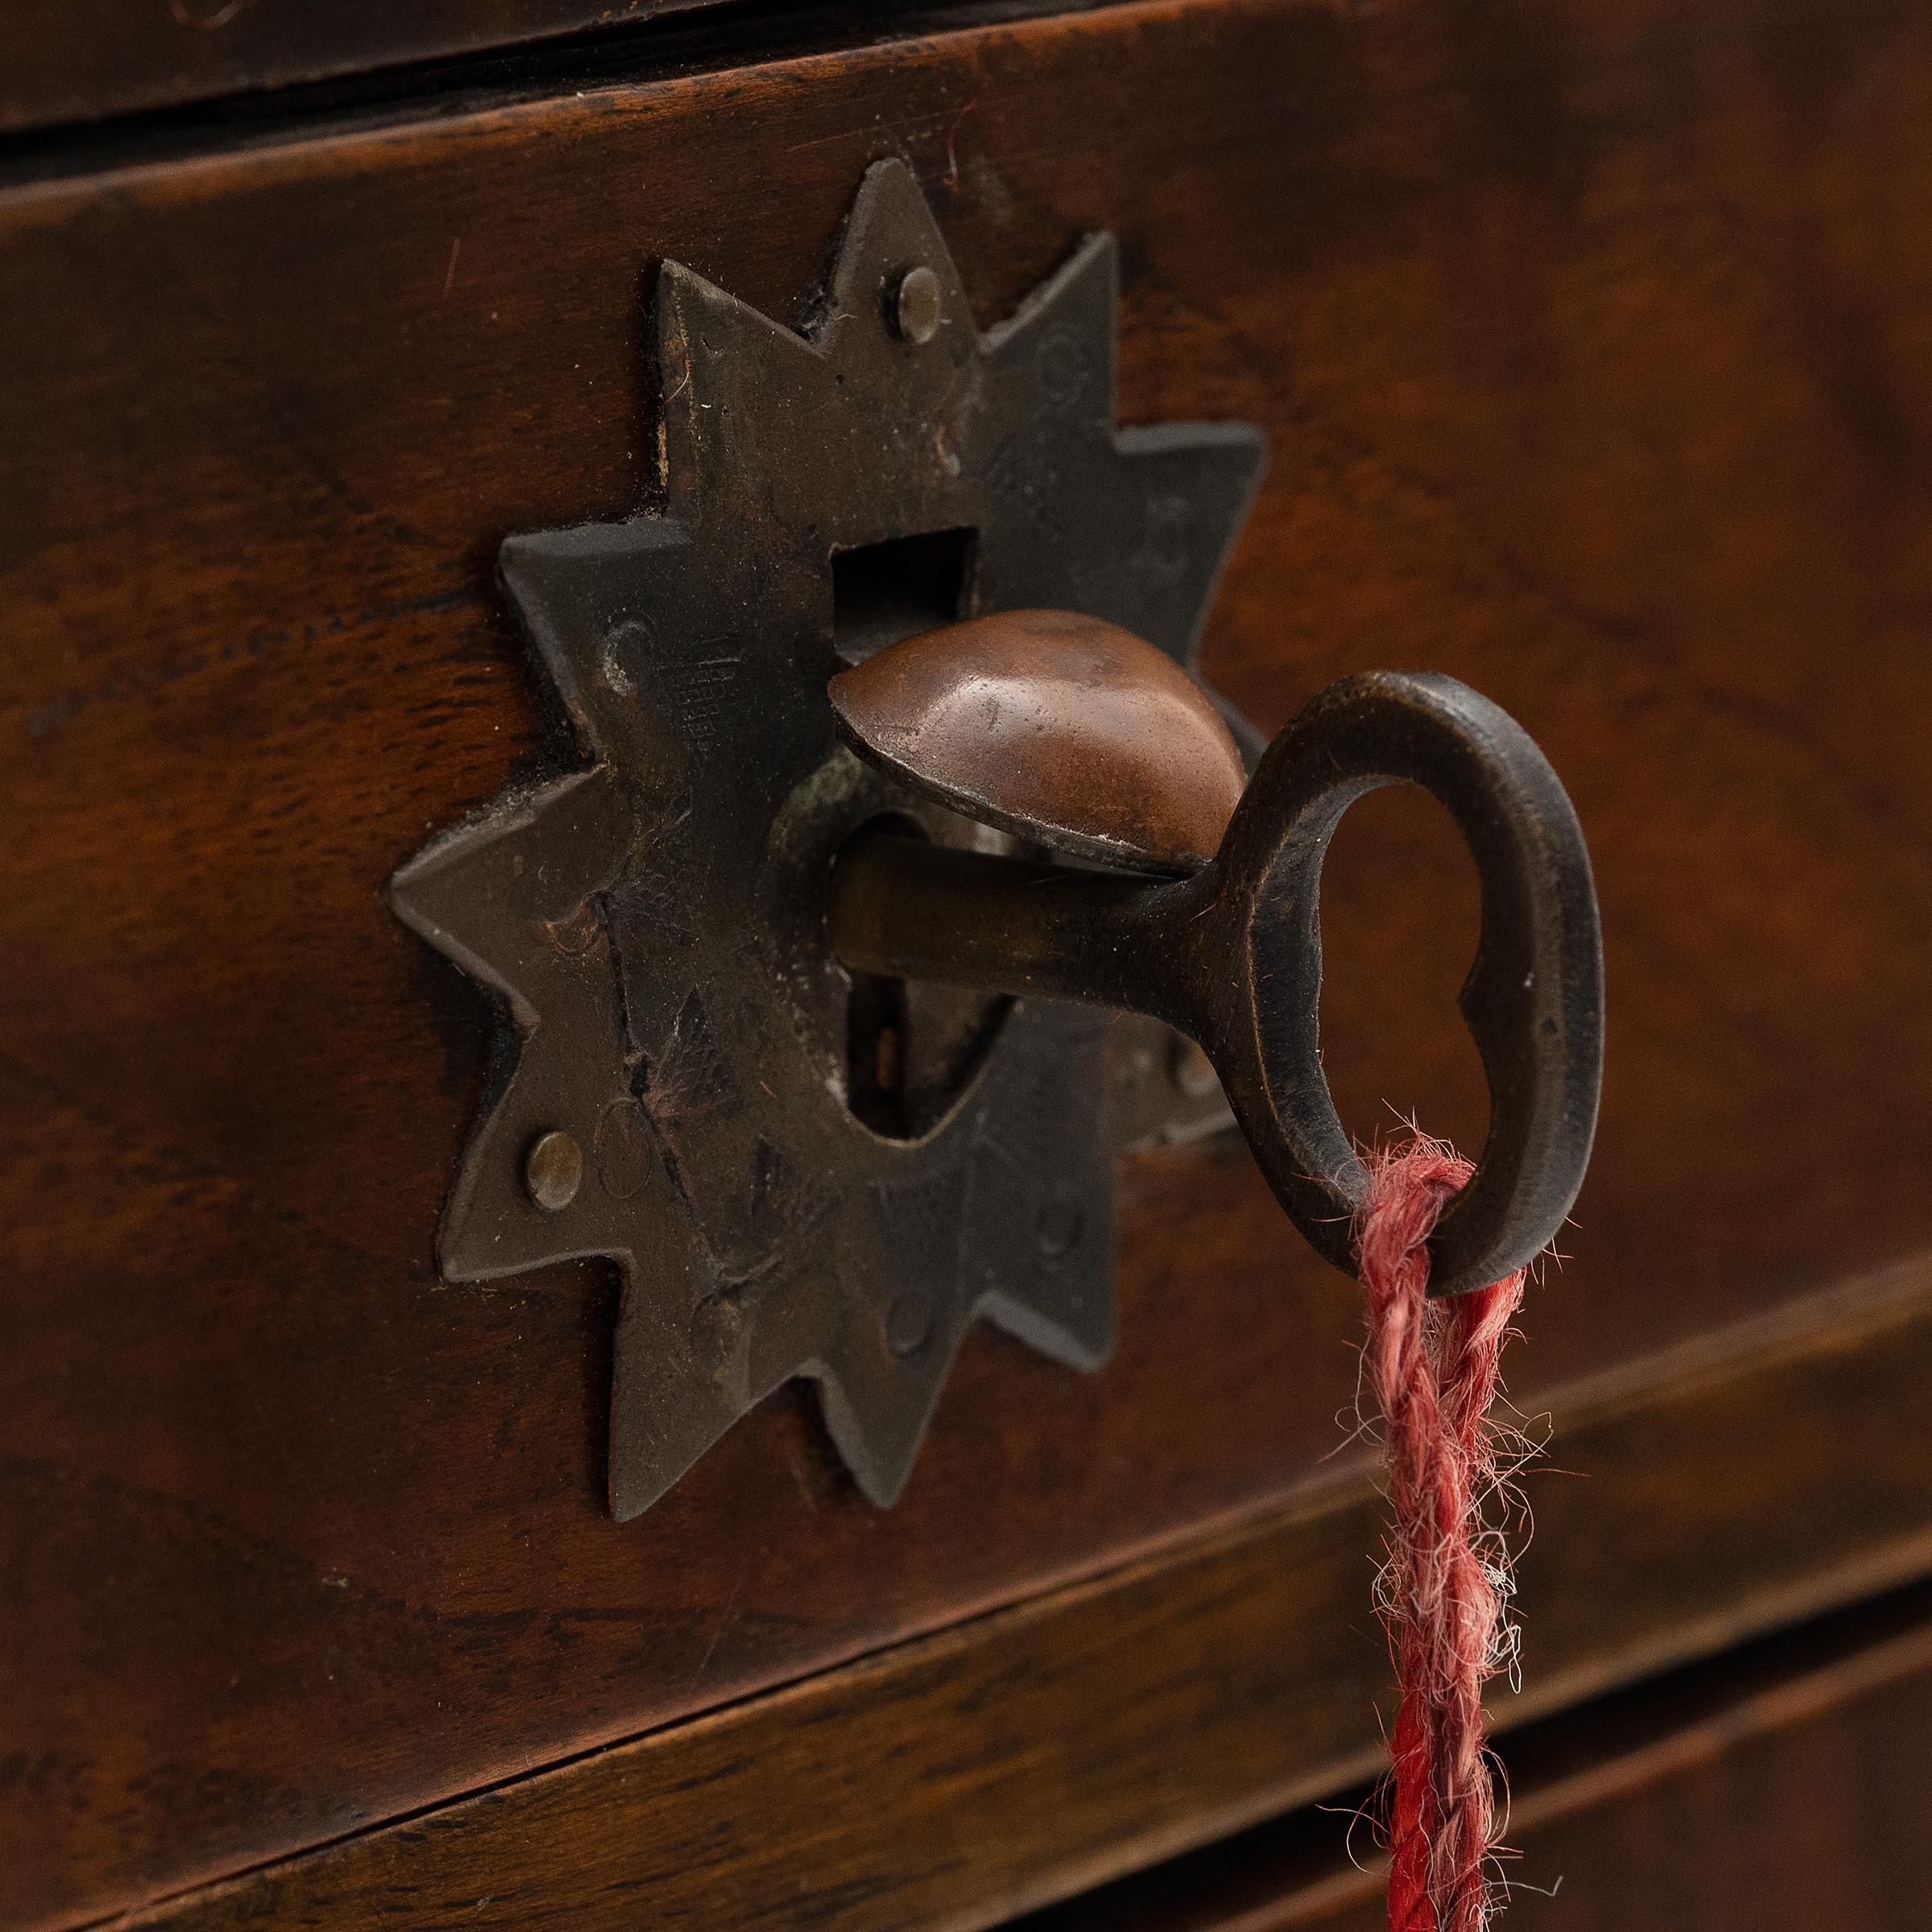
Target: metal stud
916,306
553,1171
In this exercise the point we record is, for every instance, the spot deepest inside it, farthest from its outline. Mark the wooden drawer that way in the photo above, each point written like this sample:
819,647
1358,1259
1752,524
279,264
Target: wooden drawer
1022,1756
1779,1788
1586,346
104,58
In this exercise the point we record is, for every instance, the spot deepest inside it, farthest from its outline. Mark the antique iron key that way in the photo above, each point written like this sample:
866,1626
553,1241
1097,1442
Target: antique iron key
1083,739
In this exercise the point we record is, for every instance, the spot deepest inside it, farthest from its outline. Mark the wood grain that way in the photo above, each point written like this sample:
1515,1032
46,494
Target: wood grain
952,1782
1592,344
87,60
1777,1788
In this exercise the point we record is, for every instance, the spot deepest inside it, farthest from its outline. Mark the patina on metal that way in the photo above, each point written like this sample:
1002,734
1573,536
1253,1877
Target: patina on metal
795,1181
918,305
553,1171
1232,956
1069,731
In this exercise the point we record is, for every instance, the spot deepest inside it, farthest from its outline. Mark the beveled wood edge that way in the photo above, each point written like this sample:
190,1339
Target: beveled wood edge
1012,1761
1285,1877
407,131
598,44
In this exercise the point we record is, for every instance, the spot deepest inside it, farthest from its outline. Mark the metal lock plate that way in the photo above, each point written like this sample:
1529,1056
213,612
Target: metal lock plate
689,1095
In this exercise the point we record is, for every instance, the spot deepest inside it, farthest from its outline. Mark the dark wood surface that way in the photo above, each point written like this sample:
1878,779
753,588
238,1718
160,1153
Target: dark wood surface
1590,342
1027,1754
84,59
1801,1808
1779,1788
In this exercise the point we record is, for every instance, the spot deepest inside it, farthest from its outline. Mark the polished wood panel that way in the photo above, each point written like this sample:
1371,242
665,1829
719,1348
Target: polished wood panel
1030,1753
1590,344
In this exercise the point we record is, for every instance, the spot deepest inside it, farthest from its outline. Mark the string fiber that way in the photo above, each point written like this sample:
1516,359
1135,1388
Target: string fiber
1432,1367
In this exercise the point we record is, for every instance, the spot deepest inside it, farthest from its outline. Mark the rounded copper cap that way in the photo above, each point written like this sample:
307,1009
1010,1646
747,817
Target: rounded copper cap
1063,729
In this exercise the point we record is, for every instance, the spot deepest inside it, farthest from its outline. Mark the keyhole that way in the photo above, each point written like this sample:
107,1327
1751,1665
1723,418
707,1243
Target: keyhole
912,1047
910,1050
876,1029
881,593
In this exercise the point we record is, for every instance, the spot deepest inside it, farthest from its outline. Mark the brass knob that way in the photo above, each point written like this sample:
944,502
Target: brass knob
1069,731
1088,742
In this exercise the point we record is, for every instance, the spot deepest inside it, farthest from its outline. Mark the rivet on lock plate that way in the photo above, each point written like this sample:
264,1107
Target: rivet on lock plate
896,782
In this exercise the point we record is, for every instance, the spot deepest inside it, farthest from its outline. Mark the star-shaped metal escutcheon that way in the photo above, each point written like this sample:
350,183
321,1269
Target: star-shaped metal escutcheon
801,1174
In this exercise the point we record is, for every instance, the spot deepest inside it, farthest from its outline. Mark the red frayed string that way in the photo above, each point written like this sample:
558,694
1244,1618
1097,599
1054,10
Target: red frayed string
1433,1367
